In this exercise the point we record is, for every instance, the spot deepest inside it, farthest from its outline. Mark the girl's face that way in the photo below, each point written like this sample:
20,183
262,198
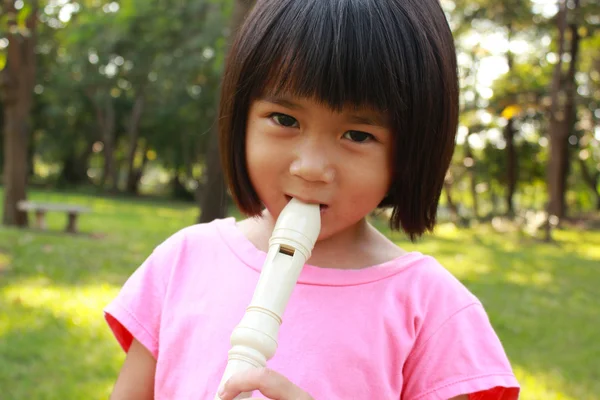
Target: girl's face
297,147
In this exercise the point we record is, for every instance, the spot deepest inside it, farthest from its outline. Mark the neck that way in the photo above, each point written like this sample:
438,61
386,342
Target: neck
349,249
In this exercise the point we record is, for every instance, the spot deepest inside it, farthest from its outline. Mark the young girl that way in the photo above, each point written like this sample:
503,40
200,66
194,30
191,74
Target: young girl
351,104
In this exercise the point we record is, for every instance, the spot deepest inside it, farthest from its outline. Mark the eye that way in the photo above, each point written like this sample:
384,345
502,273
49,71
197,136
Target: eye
358,136
284,120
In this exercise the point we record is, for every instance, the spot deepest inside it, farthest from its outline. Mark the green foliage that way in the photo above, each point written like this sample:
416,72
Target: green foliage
525,87
165,51
522,94
172,53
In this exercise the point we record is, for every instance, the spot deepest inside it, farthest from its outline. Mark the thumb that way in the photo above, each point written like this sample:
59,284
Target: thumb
270,383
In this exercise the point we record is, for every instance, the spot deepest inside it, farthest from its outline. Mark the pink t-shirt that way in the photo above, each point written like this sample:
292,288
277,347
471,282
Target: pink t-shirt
405,329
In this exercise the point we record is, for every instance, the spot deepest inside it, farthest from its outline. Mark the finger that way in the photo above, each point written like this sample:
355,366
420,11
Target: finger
270,383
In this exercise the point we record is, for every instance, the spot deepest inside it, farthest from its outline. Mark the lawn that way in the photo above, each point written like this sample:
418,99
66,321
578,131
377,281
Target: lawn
54,344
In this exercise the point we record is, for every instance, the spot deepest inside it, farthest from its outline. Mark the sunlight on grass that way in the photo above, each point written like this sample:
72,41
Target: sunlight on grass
79,306
586,243
541,386
537,279
4,262
50,332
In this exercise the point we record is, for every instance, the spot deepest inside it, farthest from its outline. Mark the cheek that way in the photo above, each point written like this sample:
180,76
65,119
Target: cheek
256,147
266,162
370,179
262,157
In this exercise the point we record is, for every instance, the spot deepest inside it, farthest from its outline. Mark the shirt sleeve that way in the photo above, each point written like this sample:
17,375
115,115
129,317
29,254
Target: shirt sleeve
136,311
462,355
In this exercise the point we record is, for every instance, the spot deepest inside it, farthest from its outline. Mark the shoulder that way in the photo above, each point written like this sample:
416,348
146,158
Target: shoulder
207,231
184,248
456,349
434,284
205,234
433,294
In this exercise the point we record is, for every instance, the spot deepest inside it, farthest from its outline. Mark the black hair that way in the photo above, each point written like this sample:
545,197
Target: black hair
395,56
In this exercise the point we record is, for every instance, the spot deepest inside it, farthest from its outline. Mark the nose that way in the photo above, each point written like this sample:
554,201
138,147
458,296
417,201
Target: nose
312,163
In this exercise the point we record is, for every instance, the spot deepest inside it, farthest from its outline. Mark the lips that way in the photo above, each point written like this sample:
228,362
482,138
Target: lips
322,206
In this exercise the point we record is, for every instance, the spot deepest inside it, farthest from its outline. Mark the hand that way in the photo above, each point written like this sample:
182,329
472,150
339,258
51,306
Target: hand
270,383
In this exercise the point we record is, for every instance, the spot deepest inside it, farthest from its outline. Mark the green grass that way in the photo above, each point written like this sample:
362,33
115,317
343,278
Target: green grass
54,344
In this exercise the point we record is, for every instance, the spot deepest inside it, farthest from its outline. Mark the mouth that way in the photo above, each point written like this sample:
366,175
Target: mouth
322,207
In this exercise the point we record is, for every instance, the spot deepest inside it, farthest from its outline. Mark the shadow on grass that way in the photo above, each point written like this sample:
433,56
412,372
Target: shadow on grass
86,195
116,238
72,260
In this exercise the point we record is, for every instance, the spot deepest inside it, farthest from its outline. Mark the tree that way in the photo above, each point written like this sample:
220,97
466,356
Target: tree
213,201
588,146
512,17
563,111
17,80
128,88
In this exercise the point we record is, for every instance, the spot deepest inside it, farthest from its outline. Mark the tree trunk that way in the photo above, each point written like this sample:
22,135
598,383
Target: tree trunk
133,182
16,138
557,165
562,116
591,181
558,143
511,166
451,205
472,177
17,80
75,166
1,125
105,114
509,138
214,198
134,133
494,200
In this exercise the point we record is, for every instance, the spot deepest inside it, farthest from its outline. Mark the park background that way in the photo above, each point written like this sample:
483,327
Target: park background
111,106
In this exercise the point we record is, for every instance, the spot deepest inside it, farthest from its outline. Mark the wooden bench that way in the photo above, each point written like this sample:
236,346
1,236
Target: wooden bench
40,210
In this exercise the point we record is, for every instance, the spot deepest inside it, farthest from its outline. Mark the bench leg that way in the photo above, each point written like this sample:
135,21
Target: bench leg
40,219
72,223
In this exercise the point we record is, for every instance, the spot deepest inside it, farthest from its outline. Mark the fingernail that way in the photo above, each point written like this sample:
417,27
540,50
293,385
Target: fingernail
221,392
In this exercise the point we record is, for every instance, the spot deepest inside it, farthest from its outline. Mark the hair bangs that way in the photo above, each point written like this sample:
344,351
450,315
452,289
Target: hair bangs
329,51
396,57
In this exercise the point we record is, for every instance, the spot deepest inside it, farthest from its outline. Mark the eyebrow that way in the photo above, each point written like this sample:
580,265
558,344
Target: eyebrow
374,119
283,101
369,119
